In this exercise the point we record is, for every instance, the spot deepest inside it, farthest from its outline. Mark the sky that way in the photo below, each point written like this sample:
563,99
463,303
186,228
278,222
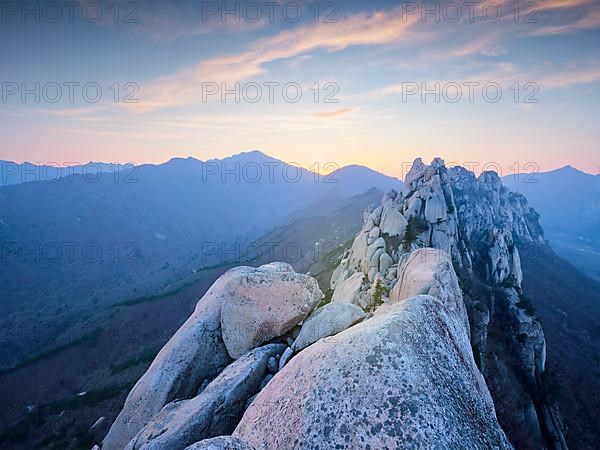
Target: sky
511,86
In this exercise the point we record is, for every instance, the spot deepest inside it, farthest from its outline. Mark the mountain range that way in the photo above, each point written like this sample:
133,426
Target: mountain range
93,242
172,229
568,201
17,173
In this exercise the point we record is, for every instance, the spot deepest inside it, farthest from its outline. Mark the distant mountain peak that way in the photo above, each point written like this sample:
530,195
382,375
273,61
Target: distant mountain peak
254,153
567,168
570,170
355,167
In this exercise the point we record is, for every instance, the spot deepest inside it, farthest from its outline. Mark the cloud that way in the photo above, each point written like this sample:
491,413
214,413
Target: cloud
485,44
505,74
360,29
570,77
525,107
589,21
335,113
562,4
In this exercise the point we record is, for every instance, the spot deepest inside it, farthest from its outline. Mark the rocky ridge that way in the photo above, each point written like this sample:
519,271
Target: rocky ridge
478,222
393,359
404,378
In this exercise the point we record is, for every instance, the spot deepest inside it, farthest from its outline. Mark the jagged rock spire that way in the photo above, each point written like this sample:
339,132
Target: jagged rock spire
478,222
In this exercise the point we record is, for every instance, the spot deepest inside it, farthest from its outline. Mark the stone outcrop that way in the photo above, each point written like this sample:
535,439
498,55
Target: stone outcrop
402,379
350,289
264,304
327,321
479,223
220,443
194,354
213,412
429,271
401,356
213,335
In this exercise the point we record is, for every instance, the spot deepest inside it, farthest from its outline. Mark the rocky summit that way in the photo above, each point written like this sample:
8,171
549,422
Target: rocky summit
425,340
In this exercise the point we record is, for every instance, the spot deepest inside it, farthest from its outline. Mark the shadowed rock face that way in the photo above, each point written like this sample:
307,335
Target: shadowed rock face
213,412
402,379
194,354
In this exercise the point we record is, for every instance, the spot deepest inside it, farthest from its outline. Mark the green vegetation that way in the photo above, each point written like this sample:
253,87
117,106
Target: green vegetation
83,437
392,242
326,298
526,304
416,226
187,282
509,282
89,399
88,337
551,384
155,297
19,432
146,356
377,299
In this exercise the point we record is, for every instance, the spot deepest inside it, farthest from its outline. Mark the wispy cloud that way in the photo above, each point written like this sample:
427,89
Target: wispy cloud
505,74
589,21
335,113
570,77
562,4
359,29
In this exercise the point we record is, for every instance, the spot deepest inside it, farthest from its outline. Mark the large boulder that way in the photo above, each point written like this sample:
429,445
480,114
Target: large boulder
359,248
220,443
417,272
219,328
194,355
398,380
430,271
436,209
393,222
348,291
327,321
214,412
265,303
385,262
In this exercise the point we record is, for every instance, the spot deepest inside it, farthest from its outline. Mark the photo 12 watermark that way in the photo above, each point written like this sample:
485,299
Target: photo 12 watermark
269,12
69,252
267,171
470,91
520,172
27,12
54,92
469,12
269,91
91,172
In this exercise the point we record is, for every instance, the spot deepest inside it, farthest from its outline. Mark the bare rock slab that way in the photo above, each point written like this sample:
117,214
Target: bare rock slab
266,303
398,380
220,443
327,321
194,354
214,412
